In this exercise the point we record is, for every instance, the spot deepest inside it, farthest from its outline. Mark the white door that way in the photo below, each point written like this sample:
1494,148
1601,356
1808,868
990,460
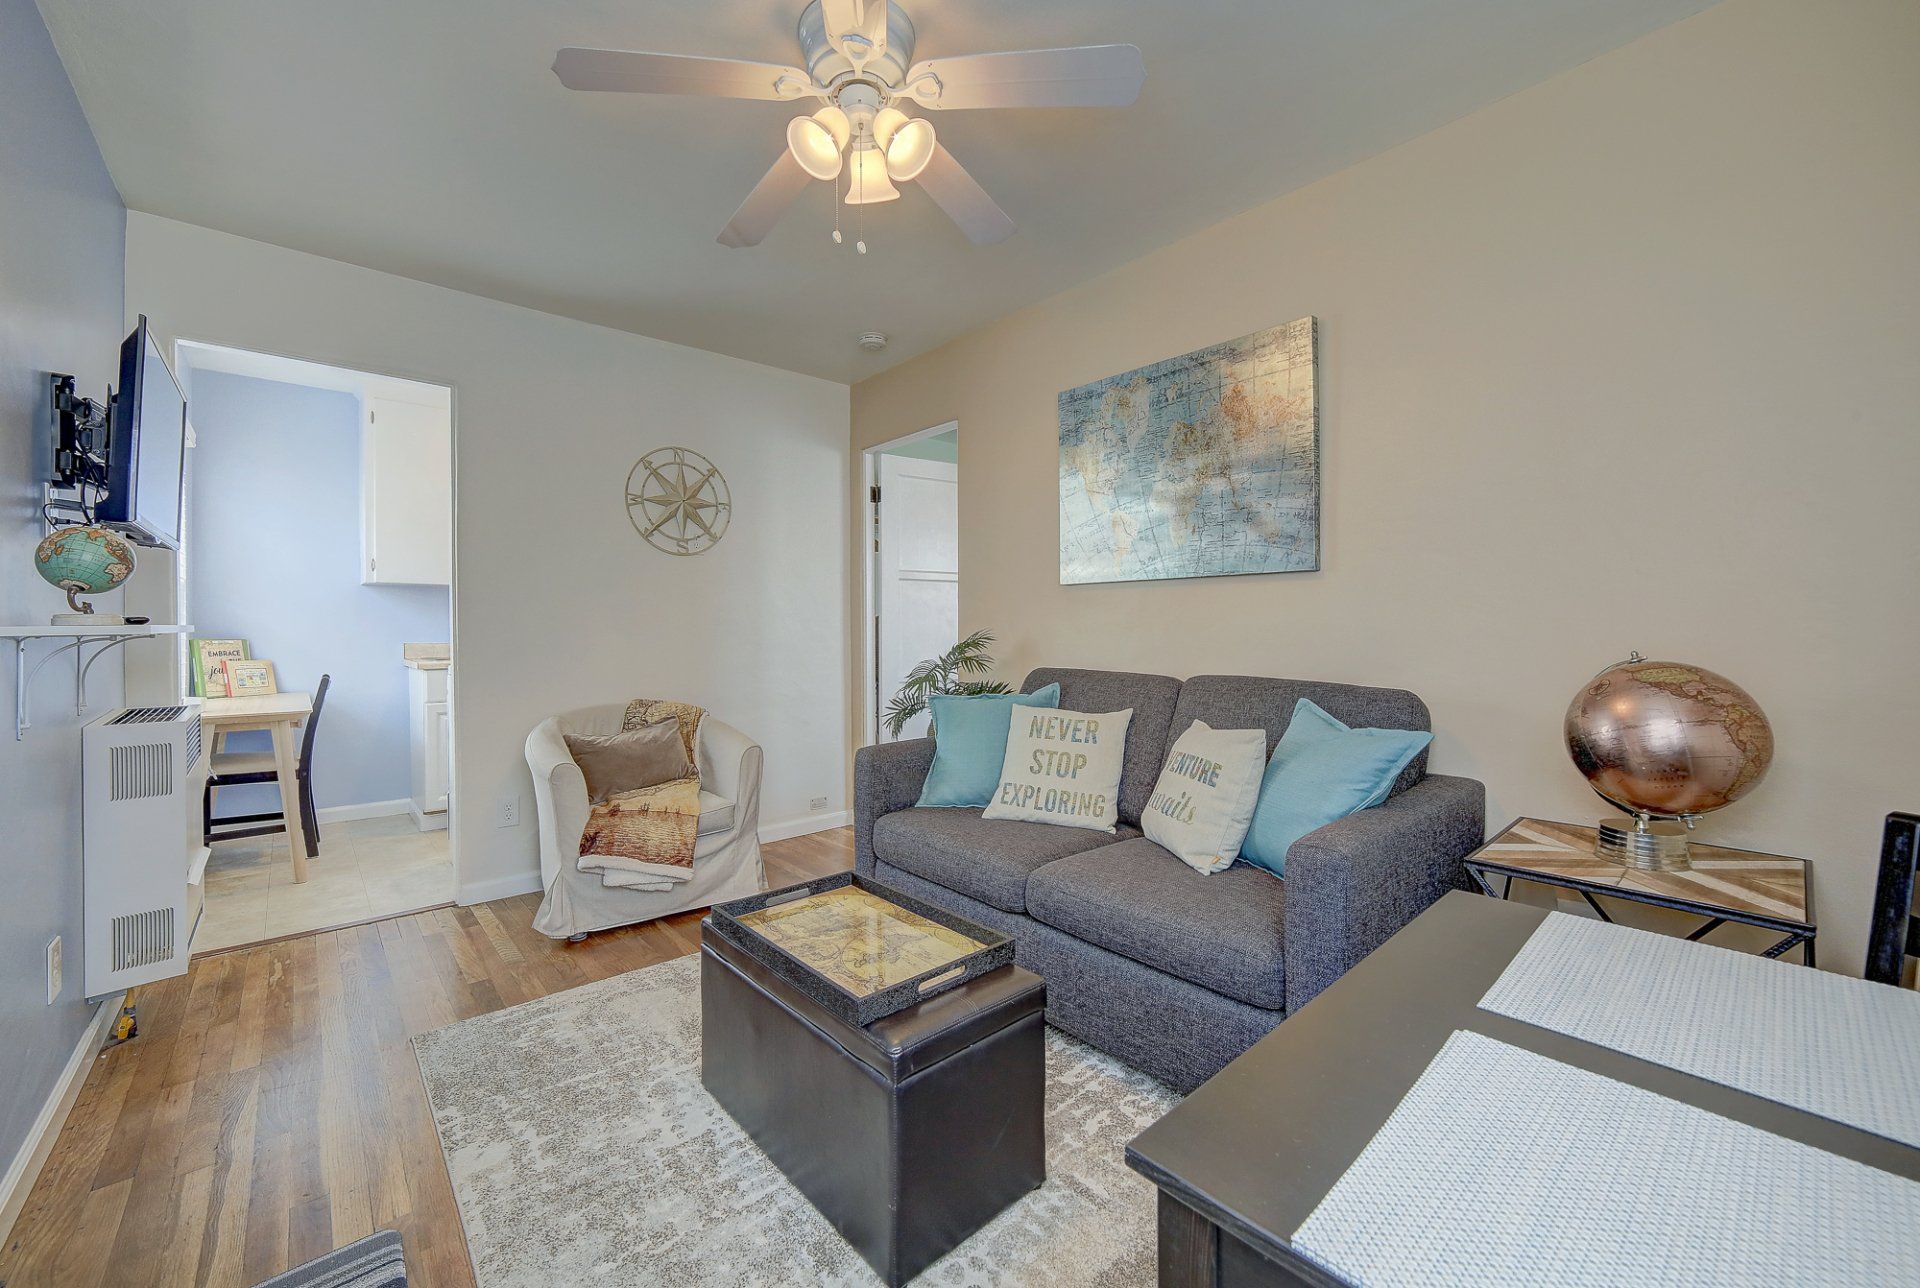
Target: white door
916,575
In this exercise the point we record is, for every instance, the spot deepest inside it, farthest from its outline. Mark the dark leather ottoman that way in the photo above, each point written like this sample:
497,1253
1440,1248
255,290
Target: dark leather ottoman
908,1134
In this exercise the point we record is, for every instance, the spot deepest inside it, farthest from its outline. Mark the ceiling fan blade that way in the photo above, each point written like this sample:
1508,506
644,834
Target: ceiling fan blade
856,28
965,201
624,71
1086,76
766,203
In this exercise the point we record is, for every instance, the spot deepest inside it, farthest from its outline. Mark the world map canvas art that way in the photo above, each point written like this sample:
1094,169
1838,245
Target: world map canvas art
1206,465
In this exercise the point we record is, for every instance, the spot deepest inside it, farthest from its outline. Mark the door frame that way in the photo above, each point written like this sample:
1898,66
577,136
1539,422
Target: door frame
315,372
869,575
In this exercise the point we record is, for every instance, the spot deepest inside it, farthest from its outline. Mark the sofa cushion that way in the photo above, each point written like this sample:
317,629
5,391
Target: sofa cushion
1150,696
982,858
1223,931
1249,701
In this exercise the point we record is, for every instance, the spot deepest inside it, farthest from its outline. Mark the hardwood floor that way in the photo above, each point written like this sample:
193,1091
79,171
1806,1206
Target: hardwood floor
271,1109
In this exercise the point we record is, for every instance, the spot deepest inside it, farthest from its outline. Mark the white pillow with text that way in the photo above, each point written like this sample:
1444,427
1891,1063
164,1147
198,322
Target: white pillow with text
1062,767
1204,799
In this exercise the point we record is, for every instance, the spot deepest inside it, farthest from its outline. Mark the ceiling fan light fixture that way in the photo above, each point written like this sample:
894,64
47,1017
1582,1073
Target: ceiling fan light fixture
886,122
816,141
909,150
869,183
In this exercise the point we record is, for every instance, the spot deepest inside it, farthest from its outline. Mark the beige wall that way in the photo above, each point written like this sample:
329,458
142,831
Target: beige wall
1626,361
557,603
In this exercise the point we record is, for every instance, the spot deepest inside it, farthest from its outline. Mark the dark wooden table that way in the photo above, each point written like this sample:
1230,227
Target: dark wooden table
1246,1158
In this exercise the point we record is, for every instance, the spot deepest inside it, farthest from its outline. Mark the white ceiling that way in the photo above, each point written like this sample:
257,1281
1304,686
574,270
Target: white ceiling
429,138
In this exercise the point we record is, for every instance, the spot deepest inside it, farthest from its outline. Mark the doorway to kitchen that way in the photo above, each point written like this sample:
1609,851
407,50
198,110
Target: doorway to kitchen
913,577
317,569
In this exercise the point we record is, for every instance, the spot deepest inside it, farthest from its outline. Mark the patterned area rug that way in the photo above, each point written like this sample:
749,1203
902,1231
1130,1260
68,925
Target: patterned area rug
584,1150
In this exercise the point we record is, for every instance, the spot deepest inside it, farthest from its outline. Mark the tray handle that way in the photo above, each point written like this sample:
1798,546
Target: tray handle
949,976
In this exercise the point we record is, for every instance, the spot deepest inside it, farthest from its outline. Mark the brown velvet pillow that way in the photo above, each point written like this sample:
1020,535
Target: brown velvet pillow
627,761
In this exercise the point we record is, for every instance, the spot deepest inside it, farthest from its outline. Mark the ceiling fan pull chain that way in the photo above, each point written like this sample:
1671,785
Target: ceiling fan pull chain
836,212
860,226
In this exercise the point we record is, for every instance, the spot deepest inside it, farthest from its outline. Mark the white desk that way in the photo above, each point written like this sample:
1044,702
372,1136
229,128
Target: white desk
279,714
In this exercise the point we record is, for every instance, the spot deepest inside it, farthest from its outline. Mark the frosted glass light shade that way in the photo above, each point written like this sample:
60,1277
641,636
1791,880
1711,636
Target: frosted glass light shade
816,140
910,149
886,122
869,182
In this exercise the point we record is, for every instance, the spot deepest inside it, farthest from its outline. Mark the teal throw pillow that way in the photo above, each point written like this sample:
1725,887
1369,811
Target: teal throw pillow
970,742
1321,772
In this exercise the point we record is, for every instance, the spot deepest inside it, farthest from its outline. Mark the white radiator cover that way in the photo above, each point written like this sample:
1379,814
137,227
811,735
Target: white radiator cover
144,771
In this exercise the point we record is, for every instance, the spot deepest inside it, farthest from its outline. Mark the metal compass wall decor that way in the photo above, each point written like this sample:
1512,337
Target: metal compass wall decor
678,500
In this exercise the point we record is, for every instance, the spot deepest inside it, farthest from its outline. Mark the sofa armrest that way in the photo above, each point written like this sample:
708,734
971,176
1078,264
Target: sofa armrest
722,753
1353,883
559,798
886,777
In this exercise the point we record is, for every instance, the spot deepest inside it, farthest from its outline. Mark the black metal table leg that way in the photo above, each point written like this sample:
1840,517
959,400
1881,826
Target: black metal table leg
1713,924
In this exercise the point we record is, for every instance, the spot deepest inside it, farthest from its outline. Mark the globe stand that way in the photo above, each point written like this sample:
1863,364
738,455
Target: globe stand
1650,844
83,614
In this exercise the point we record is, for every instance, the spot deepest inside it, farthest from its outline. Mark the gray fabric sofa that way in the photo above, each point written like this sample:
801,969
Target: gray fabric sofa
1174,972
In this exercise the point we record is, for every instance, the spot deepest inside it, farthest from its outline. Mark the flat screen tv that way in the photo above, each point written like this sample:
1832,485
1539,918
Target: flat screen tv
146,447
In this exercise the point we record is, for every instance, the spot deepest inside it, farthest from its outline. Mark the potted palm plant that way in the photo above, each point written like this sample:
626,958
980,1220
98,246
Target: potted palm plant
946,674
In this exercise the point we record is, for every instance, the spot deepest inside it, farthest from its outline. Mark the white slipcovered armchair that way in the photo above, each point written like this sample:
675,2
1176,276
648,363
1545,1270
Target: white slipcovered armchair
726,856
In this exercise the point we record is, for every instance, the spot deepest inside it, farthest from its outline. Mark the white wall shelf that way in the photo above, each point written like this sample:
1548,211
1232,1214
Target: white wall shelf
76,639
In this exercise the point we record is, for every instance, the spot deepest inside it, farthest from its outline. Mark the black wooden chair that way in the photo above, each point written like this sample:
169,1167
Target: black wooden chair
1894,935
236,768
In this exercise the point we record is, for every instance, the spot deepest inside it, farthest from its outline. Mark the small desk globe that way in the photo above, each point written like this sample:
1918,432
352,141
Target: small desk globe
1667,742
84,560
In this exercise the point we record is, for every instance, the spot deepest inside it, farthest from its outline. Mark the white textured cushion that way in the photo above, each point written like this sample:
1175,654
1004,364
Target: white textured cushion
1062,767
1204,799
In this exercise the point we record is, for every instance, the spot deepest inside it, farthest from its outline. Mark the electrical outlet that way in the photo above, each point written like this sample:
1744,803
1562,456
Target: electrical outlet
509,815
53,970
817,804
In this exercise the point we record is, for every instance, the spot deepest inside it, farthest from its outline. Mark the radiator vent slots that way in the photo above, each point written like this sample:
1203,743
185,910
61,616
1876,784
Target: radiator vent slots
141,770
193,743
148,715
142,938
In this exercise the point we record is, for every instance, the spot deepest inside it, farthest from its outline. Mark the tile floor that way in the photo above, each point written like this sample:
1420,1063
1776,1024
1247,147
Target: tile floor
372,867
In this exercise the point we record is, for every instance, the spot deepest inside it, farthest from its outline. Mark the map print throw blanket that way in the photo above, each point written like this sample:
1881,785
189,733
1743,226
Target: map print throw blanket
644,839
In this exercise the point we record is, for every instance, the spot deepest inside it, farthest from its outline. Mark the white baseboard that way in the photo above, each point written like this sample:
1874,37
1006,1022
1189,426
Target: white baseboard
370,809
25,1167
499,888
434,822
770,832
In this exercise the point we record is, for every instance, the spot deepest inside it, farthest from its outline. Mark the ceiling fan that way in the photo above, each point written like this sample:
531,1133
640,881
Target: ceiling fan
858,60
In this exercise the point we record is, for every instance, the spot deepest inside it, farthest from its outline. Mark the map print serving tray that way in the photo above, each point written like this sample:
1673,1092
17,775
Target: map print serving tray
859,948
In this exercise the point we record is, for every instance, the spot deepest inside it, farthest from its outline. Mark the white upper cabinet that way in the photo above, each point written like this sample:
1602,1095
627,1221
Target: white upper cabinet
406,493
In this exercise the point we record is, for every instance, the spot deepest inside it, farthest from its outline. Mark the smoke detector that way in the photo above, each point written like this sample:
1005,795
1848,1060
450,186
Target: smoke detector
873,341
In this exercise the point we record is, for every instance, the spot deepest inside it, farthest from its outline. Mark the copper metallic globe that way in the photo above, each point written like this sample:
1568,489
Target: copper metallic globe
1668,739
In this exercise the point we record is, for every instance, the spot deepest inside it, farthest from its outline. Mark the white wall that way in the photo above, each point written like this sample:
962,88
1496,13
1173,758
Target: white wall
557,602
60,248
1628,360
